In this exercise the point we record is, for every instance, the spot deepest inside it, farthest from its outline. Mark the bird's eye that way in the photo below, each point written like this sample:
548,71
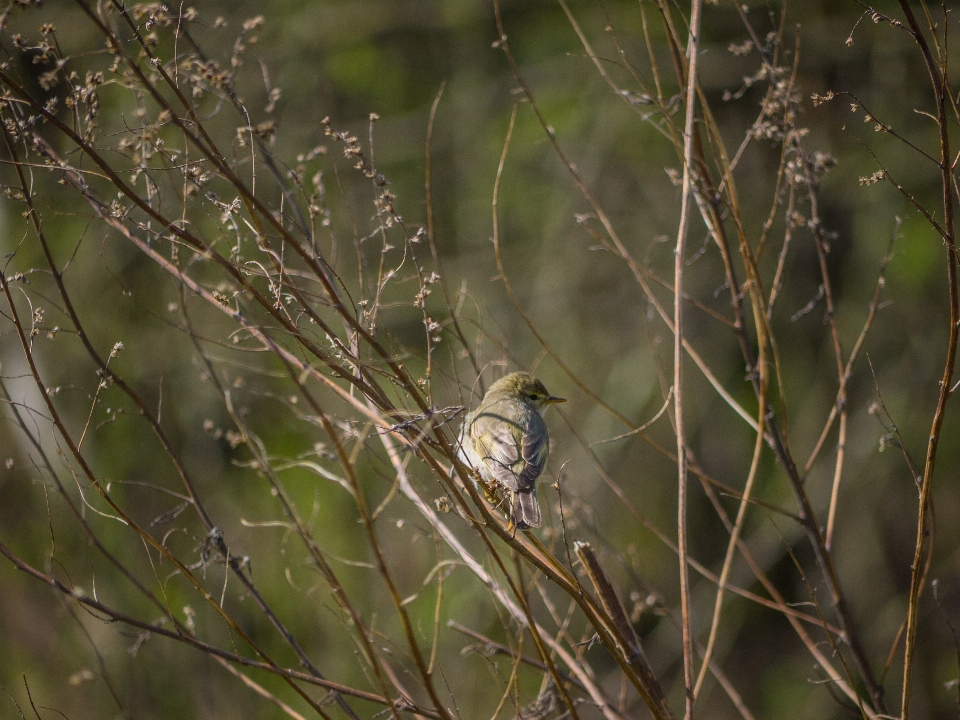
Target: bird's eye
533,396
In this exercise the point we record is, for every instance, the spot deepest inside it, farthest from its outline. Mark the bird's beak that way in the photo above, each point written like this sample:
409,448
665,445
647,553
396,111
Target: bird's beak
552,399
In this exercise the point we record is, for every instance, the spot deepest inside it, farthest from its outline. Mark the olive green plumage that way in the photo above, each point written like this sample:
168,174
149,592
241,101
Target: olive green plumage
506,440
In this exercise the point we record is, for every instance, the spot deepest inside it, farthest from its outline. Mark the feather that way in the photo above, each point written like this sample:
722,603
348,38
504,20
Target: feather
526,510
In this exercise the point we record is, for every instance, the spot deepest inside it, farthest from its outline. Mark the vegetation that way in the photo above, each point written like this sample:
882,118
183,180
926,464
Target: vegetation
257,271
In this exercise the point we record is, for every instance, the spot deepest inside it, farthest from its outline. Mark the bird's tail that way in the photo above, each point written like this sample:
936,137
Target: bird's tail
526,510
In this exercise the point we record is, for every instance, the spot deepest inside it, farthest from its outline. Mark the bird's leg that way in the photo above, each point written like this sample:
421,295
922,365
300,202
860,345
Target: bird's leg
490,489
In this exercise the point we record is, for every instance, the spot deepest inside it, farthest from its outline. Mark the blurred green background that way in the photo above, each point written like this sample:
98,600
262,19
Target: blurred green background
346,60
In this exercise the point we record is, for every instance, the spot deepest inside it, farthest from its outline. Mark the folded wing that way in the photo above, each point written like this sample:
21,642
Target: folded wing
514,455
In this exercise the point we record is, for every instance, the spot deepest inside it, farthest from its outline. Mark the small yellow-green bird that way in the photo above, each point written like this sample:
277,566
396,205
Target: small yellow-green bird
505,439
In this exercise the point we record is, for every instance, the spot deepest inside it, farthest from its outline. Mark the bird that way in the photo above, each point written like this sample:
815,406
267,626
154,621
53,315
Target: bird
505,440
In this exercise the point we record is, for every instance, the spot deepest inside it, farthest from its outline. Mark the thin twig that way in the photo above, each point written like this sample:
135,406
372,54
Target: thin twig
693,52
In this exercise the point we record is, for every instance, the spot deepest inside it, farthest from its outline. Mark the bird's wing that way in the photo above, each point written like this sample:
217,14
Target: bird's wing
514,465
496,447
536,444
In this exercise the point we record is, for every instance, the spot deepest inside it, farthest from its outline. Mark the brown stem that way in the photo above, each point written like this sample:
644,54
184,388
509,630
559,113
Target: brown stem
917,575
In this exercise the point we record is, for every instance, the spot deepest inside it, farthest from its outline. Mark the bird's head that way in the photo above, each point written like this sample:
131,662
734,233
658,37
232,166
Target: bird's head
525,387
